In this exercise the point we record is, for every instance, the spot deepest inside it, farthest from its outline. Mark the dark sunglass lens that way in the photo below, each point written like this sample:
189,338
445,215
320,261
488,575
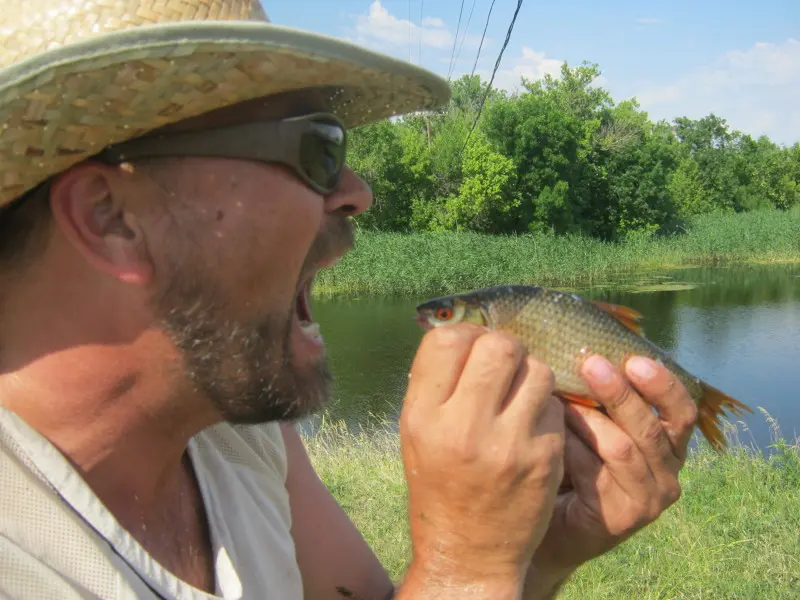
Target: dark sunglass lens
322,153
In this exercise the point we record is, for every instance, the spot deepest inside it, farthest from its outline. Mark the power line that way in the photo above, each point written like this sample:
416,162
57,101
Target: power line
409,30
421,30
466,29
455,40
489,16
494,72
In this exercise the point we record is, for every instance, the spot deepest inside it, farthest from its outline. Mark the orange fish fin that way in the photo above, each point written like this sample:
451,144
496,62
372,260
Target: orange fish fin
577,399
632,319
711,406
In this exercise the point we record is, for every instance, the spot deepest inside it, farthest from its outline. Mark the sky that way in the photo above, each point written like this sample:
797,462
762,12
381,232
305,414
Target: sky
738,60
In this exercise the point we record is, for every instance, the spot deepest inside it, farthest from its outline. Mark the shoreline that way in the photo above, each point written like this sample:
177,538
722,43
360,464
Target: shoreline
426,263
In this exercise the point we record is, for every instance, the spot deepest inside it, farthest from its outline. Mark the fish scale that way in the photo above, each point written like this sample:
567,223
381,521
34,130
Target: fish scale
562,329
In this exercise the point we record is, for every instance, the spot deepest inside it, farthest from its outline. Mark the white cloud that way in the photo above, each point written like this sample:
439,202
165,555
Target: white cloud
535,65
432,22
756,91
382,30
530,64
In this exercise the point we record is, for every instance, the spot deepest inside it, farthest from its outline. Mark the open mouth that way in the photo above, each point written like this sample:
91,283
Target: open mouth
302,305
303,310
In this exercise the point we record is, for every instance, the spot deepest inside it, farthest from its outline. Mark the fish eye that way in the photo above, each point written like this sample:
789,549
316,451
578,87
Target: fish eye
444,313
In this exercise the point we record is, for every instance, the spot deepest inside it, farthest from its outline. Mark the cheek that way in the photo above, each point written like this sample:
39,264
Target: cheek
262,240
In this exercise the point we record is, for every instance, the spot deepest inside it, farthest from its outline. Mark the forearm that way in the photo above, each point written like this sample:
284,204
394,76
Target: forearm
544,584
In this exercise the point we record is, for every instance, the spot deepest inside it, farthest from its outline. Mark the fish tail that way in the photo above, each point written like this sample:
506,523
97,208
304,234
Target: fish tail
713,403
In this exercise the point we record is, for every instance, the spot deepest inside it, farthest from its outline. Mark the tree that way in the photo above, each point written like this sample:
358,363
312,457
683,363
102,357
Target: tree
561,157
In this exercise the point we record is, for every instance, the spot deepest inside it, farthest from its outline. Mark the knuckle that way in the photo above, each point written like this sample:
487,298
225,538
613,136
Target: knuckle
460,446
620,395
505,462
411,424
654,511
689,416
547,457
672,494
653,432
500,345
645,512
623,451
541,372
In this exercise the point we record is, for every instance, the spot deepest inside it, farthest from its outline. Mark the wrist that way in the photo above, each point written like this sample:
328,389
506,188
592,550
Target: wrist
444,579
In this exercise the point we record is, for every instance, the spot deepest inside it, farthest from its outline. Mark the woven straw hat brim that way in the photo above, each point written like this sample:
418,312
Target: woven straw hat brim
64,105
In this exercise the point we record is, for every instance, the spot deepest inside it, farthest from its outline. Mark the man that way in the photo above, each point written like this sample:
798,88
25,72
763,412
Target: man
167,194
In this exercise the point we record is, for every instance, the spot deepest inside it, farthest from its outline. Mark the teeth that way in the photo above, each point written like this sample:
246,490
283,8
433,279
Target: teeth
310,329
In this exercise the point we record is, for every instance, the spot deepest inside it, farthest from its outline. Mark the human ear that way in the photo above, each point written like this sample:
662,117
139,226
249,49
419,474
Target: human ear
88,204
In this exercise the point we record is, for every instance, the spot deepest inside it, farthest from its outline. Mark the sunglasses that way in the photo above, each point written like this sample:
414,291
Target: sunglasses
313,146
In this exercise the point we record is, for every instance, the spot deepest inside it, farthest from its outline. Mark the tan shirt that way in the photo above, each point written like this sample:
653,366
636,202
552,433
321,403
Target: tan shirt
58,541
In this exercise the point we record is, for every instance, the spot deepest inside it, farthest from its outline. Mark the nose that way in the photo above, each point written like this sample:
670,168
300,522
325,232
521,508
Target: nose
352,197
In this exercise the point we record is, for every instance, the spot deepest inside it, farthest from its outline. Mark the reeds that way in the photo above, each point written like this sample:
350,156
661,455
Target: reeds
434,262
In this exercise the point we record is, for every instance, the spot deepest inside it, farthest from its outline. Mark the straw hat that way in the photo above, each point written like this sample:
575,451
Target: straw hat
77,75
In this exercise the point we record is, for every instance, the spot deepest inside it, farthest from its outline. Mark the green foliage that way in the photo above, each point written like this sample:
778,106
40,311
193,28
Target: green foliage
732,533
561,158
486,197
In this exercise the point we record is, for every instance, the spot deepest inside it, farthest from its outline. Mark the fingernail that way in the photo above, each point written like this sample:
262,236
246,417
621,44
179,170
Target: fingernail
599,369
641,368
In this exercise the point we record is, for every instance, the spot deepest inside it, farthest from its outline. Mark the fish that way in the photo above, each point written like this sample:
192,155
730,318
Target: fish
562,329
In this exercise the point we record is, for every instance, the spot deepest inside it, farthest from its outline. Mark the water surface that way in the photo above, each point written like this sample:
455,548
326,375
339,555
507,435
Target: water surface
737,327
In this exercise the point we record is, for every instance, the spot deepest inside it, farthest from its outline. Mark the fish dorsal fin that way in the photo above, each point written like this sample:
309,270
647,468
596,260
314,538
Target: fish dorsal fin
627,316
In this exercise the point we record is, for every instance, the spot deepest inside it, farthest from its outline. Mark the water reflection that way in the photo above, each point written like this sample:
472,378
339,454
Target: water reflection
738,327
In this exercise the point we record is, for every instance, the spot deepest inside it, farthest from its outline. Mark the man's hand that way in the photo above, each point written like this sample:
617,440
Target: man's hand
621,472
482,443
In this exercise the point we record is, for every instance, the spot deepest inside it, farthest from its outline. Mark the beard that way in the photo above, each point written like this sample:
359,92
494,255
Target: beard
245,369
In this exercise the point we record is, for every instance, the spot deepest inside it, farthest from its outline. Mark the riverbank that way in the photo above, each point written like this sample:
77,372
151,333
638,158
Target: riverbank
430,263
732,534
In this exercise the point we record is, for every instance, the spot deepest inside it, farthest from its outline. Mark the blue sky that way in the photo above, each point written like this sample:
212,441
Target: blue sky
738,60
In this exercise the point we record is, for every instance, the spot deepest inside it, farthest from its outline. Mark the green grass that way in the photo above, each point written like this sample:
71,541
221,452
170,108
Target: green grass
429,263
733,534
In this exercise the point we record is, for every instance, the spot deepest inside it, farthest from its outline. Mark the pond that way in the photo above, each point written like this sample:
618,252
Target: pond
737,327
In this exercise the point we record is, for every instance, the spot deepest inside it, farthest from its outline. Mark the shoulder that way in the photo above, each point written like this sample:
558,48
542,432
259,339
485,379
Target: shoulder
259,446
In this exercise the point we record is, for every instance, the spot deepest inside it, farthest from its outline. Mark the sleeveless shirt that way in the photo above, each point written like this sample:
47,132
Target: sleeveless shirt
59,542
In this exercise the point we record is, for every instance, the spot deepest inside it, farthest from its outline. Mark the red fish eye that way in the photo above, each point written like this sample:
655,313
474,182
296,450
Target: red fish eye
444,313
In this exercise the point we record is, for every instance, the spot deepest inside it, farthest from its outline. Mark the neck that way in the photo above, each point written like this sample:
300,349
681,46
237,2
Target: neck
110,403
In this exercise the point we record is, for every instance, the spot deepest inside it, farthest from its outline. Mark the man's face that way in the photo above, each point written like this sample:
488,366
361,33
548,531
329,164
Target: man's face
238,261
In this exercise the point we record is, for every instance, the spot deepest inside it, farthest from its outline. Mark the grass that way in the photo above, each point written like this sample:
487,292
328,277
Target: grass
733,534
429,263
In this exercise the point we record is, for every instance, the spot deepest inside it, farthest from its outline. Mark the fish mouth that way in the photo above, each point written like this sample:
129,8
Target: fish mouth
426,310
423,322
